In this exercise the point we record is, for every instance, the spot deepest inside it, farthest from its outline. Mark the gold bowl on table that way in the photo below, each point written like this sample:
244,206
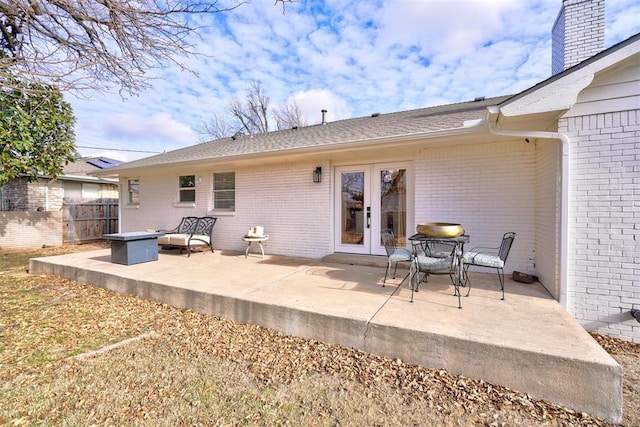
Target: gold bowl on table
440,229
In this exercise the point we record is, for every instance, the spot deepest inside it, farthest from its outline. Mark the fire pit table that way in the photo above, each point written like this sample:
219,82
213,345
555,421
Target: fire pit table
134,247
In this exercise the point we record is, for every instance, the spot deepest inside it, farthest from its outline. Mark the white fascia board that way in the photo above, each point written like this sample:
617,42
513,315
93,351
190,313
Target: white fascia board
561,93
87,178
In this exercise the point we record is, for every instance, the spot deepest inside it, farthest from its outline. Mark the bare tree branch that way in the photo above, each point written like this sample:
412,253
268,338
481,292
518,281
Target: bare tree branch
97,43
284,2
216,128
252,116
289,115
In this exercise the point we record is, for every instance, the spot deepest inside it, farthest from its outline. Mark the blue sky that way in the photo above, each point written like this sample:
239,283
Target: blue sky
352,58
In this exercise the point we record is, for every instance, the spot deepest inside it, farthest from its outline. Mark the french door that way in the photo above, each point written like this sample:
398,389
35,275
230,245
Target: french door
371,198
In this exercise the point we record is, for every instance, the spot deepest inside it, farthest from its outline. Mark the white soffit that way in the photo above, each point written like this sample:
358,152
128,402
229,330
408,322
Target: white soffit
561,93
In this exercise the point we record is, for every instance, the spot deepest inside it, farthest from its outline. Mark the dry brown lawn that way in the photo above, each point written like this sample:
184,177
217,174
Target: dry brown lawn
72,354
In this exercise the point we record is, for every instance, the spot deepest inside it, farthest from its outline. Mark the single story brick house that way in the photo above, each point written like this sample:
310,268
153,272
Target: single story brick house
559,164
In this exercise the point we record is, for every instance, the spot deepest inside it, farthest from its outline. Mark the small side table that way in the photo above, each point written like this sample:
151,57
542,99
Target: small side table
256,239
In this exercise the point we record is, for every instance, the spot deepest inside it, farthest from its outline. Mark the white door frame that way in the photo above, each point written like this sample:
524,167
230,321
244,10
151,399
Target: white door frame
359,213
370,243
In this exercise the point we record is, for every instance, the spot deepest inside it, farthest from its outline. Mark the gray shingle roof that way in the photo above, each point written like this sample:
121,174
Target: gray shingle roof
89,164
340,133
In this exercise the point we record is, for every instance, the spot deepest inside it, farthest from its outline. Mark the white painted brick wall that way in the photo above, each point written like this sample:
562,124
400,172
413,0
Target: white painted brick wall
295,211
557,44
488,188
604,247
578,33
548,214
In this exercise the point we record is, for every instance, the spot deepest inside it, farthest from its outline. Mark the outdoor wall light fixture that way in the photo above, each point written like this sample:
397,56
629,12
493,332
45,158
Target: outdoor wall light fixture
636,314
317,174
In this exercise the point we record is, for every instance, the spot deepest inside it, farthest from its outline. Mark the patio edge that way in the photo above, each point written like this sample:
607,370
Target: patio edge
587,386
591,387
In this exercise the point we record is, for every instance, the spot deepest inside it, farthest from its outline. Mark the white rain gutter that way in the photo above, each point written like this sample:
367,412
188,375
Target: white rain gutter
493,114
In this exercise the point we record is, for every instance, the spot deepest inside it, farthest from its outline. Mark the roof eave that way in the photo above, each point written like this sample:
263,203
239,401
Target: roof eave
560,92
469,127
87,178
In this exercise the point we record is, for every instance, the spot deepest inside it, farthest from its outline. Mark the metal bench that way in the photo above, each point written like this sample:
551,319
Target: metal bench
191,232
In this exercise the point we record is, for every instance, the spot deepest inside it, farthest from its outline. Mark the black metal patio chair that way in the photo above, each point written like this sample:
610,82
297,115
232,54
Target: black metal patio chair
394,255
489,258
434,257
203,233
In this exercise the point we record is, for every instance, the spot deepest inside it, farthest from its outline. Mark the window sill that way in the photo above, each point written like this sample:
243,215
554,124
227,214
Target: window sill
183,205
131,207
221,213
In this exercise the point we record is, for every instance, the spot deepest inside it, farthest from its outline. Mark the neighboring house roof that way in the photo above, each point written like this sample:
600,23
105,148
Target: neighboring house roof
377,127
78,170
89,164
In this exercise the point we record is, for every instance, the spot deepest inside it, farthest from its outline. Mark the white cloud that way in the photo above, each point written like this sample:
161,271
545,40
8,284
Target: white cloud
160,126
448,29
312,101
351,58
623,18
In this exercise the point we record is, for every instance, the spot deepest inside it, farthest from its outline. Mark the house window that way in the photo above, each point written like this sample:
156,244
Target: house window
224,191
187,188
90,191
133,188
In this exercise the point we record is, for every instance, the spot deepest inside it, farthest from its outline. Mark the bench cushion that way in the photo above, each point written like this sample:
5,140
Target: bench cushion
178,239
400,254
199,239
433,264
484,260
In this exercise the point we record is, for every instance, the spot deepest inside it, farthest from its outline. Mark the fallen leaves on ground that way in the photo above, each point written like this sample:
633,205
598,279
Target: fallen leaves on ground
199,369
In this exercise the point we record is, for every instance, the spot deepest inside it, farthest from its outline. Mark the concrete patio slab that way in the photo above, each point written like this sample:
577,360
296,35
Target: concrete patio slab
527,342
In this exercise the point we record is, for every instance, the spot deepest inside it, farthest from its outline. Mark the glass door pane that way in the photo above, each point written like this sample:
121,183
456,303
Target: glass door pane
352,213
393,203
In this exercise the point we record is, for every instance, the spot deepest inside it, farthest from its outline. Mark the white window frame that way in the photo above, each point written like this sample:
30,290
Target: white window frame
90,190
130,192
190,188
231,209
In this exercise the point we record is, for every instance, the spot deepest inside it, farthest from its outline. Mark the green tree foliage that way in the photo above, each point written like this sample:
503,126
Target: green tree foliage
36,131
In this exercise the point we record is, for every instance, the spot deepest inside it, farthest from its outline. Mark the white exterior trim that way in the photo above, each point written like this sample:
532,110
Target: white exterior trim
561,92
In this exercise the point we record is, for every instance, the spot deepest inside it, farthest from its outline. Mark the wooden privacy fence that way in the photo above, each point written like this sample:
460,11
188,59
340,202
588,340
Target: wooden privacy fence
84,221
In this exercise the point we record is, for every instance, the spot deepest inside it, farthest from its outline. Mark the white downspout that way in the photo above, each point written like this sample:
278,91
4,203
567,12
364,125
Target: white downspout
492,119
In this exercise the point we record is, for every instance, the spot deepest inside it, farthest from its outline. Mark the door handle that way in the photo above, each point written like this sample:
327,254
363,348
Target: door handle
368,216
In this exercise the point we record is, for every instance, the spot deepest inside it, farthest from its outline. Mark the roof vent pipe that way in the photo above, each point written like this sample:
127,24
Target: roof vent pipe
324,119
